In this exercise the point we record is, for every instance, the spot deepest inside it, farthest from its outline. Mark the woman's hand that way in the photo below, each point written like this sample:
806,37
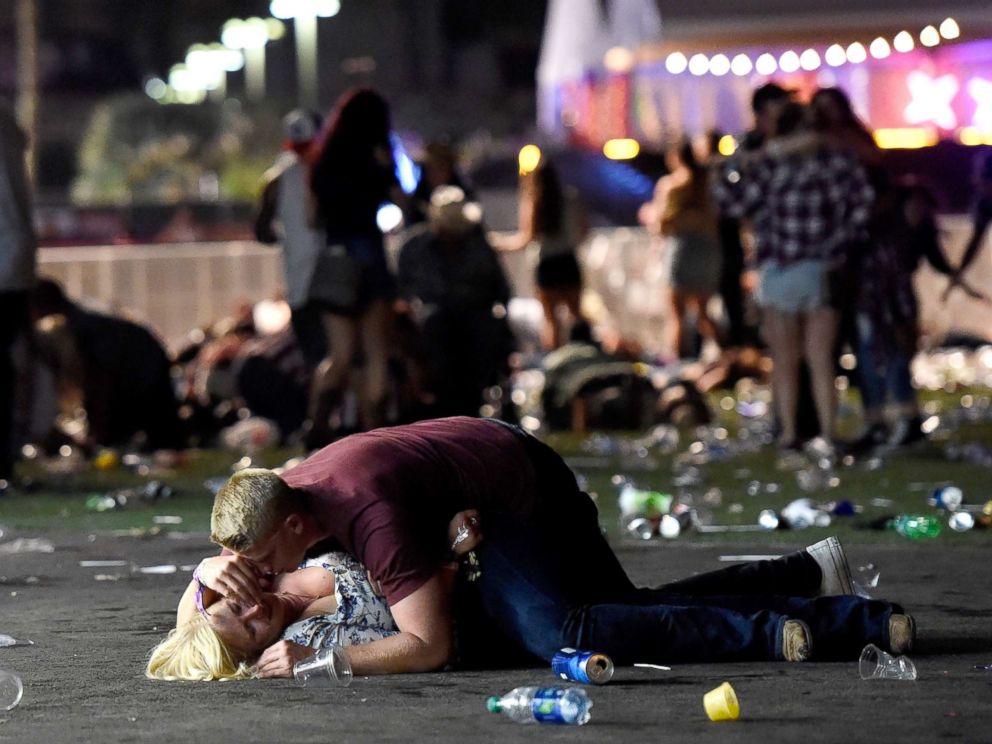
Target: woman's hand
465,531
233,576
279,659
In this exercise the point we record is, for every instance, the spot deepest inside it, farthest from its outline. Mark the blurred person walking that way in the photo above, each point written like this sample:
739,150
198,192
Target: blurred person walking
18,249
904,232
809,204
352,174
551,219
285,216
686,214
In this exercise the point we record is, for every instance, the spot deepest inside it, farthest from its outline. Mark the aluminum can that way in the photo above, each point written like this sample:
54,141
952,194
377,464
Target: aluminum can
587,667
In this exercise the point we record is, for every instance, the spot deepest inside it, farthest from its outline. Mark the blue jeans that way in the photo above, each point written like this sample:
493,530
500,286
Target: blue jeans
879,383
551,581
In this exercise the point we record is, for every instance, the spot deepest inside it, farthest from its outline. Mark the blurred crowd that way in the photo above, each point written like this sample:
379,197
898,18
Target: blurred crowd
809,244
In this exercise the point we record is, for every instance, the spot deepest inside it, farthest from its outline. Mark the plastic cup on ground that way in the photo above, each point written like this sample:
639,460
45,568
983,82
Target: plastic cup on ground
329,667
11,690
721,703
877,664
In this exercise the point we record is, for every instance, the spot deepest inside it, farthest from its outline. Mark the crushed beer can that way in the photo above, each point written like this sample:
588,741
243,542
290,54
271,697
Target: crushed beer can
587,667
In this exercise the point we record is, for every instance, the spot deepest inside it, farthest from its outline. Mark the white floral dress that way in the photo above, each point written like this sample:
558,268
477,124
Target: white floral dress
362,616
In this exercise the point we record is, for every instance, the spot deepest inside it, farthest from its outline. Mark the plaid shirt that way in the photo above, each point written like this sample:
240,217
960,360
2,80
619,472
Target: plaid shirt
810,203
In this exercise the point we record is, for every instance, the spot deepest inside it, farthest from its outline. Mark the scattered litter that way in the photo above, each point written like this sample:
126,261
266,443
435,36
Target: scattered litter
587,667
166,519
107,577
11,690
101,564
881,502
877,664
555,705
867,578
961,521
653,666
27,545
977,667
721,703
164,569
139,532
746,557
949,498
7,641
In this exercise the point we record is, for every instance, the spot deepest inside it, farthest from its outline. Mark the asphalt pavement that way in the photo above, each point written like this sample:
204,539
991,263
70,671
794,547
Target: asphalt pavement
93,627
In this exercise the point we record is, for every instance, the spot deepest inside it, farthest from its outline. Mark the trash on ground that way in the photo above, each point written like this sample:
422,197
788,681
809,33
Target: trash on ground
27,545
101,564
164,569
644,665
328,667
916,526
877,664
587,667
554,705
11,690
748,557
166,519
7,641
721,703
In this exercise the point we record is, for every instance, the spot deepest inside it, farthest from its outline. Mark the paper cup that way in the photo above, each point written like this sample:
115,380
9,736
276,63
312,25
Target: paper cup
721,704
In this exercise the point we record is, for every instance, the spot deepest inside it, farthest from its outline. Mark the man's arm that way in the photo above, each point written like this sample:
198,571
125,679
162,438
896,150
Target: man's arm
424,644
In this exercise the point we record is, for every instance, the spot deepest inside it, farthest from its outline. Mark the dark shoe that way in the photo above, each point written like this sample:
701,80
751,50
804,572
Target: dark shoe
902,633
829,556
907,431
797,642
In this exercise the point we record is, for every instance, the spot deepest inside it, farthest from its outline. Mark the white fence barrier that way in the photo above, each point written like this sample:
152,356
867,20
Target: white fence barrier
177,287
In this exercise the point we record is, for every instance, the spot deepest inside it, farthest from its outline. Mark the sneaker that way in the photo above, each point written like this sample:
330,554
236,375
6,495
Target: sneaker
902,633
829,556
906,431
797,642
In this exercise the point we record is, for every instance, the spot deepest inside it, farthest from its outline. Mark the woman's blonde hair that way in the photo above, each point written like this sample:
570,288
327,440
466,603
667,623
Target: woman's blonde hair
194,652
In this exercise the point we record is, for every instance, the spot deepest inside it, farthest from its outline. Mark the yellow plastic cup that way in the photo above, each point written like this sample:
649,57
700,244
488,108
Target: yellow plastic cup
721,703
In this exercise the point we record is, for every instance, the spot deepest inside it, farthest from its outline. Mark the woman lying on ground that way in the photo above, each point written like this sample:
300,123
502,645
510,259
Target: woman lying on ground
329,600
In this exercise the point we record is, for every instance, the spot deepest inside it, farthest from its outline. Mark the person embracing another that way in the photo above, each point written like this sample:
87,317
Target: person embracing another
545,577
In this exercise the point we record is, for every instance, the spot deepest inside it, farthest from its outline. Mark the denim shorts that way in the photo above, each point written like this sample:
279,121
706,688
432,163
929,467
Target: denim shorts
794,288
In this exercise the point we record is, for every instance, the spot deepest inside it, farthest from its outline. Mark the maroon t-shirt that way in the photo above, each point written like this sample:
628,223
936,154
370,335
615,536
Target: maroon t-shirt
387,496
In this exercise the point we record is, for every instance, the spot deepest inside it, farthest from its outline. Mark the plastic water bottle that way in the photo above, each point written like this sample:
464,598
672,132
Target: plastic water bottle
554,705
916,526
650,504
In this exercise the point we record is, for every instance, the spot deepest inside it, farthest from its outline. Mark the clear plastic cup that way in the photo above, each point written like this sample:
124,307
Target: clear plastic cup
329,667
11,690
877,664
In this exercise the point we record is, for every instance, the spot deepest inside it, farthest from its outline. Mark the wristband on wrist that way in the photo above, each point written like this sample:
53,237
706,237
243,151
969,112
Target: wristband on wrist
198,598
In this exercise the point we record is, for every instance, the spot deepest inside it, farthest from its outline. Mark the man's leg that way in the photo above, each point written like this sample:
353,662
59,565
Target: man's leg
793,575
840,626
543,598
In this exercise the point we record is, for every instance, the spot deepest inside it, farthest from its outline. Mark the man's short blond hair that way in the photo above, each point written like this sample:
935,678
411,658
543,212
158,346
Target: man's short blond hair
249,507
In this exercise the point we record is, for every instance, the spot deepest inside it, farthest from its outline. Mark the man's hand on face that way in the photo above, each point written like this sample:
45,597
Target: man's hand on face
233,576
279,658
